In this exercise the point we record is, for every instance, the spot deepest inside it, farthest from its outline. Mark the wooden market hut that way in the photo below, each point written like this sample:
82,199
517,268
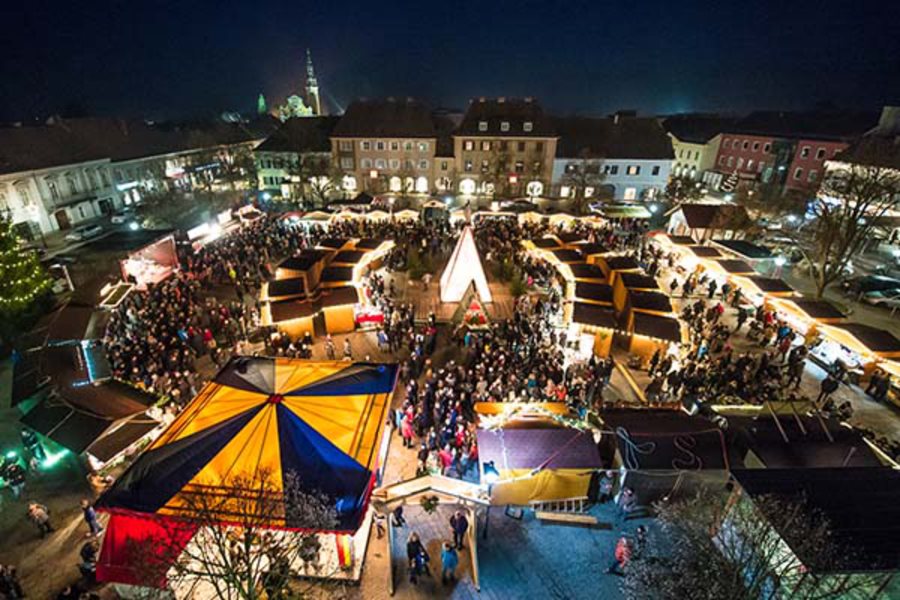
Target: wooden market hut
613,264
650,332
587,273
631,280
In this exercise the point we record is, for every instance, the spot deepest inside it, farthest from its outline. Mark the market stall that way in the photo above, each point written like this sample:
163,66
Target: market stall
150,264
596,321
631,280
536,460
650,332
612,264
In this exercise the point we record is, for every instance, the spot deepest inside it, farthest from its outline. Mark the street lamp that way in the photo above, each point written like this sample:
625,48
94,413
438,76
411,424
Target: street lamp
490,476
780,261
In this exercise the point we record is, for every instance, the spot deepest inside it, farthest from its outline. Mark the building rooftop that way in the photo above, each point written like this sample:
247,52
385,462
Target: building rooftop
516,112
612,137
697,129
714,216
861,505
301,135
386,118
816,125
72,141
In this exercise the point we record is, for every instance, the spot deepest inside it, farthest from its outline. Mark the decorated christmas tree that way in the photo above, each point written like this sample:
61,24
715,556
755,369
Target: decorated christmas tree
22,279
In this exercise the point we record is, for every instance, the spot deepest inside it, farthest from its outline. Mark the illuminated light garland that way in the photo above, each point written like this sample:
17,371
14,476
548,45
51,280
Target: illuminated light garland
22,279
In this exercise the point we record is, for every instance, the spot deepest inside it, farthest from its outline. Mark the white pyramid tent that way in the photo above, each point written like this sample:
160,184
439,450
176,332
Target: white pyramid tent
464,268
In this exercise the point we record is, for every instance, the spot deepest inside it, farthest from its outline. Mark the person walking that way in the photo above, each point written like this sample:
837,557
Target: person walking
449,562
417,556
828,386
607,482
40,516
621,557
90,517
348,350
460,525
329,347
397,516
406,430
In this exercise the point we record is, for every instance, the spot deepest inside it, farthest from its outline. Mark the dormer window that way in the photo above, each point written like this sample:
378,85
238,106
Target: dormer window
482,125
504,126
527,126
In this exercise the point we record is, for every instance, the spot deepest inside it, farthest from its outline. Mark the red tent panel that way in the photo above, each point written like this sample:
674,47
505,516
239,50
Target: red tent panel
132,540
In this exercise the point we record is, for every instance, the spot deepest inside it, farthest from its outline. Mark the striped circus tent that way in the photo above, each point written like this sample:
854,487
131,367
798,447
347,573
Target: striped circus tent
317,424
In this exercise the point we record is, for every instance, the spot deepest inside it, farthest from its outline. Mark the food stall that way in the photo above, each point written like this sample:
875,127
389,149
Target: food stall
338,306
860,348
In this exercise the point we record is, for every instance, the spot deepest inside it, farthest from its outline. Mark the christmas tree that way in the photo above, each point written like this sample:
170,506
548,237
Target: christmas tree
22,279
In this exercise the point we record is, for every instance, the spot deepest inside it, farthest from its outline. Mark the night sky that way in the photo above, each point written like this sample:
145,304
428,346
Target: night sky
166,59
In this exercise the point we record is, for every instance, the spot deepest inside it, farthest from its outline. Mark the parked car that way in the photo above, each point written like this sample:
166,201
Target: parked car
85,232
870,283
887,298
121,216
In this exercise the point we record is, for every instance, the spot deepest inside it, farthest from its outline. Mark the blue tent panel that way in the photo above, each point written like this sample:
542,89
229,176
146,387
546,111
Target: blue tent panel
318,464
358,379
161,473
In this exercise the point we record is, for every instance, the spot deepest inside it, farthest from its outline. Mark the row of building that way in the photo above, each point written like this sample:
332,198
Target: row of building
65,172
68,171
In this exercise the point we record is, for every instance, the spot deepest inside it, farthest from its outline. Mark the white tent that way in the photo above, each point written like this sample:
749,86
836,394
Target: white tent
464,268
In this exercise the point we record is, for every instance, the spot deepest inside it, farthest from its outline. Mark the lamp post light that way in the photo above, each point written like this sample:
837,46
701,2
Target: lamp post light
490,476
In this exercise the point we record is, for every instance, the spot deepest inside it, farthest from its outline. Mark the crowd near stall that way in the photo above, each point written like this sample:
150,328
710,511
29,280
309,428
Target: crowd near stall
622,360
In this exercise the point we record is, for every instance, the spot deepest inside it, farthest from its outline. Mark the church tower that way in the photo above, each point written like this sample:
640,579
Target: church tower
312,87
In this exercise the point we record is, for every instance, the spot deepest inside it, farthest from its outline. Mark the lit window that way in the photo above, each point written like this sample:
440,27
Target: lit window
564,191
467,187
527,126
520,166
395,184
365,145
504,126
379,163
485,146
373,174
468,166
820,153
813,175
633,170
588,192
804,152
469,145
422,185
656,170
423,146
630,193
798,173
482,125
750,165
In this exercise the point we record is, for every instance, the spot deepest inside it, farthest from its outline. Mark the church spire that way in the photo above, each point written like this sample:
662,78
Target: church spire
312,86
